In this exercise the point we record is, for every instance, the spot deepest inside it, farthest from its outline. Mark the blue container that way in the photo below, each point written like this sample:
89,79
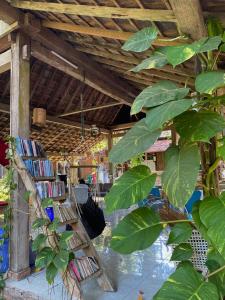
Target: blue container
4,253
50,213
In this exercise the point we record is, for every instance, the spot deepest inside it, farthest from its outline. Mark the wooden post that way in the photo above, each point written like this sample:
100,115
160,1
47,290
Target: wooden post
19,126
110,145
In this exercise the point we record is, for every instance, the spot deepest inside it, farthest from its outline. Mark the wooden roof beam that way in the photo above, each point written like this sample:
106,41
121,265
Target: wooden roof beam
189,17
5,61
97,11
106,33
8,14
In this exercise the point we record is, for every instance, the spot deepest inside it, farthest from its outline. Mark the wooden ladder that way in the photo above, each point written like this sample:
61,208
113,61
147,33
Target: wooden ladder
73,286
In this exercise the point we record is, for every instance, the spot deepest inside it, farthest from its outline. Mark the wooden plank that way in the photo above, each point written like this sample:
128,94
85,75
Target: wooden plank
123,126
46,56
106,33
19,126
6,29
89,109
4,44
5,61
189,17
50,119
97,11
8,14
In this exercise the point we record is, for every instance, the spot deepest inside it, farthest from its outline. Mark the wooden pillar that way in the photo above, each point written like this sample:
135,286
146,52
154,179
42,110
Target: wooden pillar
19,126
110,145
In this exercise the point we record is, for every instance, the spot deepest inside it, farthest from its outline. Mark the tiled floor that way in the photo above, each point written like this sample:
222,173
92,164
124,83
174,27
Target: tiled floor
144,270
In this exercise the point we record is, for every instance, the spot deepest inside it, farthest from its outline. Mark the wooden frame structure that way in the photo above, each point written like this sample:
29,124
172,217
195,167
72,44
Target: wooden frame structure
74,52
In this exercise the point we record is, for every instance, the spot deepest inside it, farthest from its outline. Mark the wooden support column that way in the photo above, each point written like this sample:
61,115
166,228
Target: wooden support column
110,145
19,126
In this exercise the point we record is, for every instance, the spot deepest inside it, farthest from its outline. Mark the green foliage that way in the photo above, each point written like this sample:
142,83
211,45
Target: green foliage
133,186
54,224
159,93
186,283
136,141
136,231
44,257
157,116
61,260
51,273
141,40
47,202
4,188
208,82
199,126
182,252
39,222
180,233
39,242
157,60
181,172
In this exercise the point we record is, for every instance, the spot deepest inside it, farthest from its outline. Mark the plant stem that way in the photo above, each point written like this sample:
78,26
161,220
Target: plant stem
216,271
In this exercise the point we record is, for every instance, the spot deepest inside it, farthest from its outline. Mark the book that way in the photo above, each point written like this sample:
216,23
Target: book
83,267
47,189
26,147
39,168
62,212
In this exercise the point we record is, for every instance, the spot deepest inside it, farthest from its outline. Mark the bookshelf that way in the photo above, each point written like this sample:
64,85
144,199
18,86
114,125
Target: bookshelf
71,282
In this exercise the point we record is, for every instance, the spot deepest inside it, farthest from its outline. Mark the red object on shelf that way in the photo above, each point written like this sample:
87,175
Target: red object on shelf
3,149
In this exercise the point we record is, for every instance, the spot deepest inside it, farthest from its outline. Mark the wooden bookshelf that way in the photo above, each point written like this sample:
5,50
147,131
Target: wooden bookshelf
81,246
44,178
69,222
59,198
93,275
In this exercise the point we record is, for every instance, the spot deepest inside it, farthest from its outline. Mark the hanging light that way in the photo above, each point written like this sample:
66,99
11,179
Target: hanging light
95,131
39,117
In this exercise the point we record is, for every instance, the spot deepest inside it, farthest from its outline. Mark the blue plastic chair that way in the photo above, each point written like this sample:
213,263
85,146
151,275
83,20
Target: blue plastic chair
196,196
4,253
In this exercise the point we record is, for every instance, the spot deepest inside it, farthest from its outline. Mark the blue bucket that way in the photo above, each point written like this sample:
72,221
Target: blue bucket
50,213
4,253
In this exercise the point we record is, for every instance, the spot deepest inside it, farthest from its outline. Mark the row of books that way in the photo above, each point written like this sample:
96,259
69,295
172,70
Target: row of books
26,147
75,241
64,213
39,168
84,267
47,189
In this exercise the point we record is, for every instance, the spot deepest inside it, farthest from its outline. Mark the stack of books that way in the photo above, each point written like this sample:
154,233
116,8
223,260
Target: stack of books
75,241
64,213
26,147
84,267
39,168
47,189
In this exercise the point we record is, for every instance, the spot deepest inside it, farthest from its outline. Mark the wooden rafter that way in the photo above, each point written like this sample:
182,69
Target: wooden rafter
98,11
189,17
106,33
5,61
89,109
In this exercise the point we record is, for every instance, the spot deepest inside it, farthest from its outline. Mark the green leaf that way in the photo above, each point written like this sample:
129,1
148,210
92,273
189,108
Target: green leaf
157,116
39,242
187,284
179,54
132,186
182,252
47,202
221,149
198,223
44,257
159,93
180,233
157,60
214,27
141,40
136,231
61,260
212,214
54,225
51,273
138,139
39,222
66,236
209,81
199,126
181,172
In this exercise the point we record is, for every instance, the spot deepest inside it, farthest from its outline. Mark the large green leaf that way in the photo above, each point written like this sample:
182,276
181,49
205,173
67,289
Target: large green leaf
179,54
159,93
180,233
132,186
187,284
141,40
198,223
212,214
221,149
39,222
61,260
39,242
44,257
199,126
209,81
136,231
138,139
51,273
182,252
157,116
181,172
157,60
